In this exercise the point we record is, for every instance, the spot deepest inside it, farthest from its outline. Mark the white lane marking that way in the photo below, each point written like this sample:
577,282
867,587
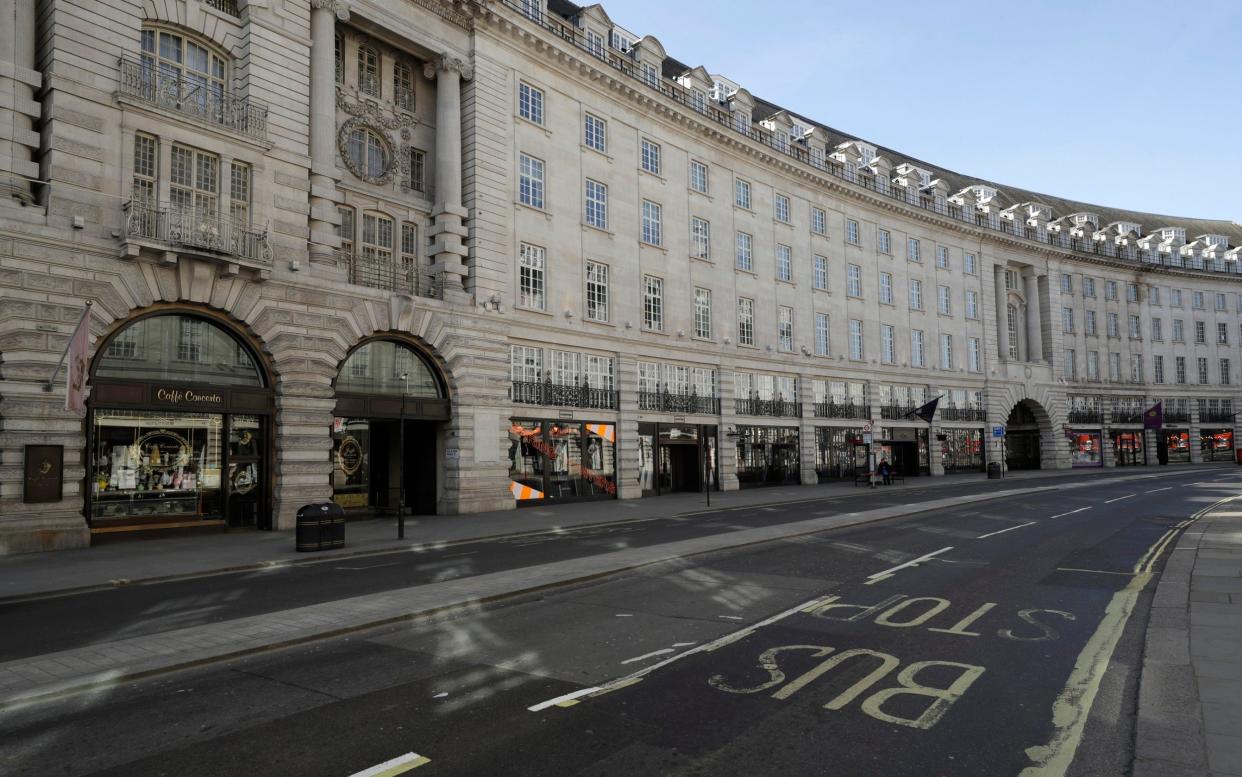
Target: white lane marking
373,566
1002,531
543,705
625,615
1071,512
645,656
394,766
878,576
730,617
684,644
1118,499
1154,490
630,679
1094,571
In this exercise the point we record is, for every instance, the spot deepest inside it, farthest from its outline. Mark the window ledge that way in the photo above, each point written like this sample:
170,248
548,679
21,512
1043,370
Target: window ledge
545,213
744,209
644,244
656,176
703,260
596,151
592,228
530,123
525,309
751,273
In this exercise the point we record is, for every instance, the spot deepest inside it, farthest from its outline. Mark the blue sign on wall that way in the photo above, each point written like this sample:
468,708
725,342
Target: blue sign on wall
998,431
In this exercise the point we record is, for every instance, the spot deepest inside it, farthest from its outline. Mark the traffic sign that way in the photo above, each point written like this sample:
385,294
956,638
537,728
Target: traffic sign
998,431
866,428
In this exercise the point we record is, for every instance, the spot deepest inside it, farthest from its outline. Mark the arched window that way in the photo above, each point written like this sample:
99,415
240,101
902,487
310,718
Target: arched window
377,237
339,47
368,71
369,156
387,367
403,86
179,349
177,69
1011,321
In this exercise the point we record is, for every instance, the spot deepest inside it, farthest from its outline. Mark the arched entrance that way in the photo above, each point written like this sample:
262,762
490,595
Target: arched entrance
391,405
1023,435
178,428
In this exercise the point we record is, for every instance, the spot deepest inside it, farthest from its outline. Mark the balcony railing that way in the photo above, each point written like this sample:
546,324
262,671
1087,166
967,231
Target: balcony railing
896,412
1176,416
670,402
190,228
1085,415
1127,415
224,6
842,410
560,395
961,414
192,97
781,144
1215,416
778,408
390,275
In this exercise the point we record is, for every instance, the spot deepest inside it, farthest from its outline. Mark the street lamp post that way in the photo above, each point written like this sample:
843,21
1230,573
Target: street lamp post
405,379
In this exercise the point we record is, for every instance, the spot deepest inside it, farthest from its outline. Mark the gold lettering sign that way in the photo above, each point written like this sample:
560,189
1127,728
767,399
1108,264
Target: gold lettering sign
349,455
187,397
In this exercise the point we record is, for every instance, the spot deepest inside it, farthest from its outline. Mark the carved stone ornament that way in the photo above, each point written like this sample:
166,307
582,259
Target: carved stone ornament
449,62
391,161
339,8
373,115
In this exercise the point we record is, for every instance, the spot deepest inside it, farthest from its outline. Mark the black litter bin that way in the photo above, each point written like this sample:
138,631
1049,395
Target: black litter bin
320,526
994,470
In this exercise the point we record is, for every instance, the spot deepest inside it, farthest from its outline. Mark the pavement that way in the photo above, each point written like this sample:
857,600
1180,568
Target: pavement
1190,700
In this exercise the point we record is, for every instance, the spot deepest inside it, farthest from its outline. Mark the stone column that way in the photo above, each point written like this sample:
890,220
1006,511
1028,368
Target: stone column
1034,328
1002,313
628,484
324,197
448,232
727,450
1196,425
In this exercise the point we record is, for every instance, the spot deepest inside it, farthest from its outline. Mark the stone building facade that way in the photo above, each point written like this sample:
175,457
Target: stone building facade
461,255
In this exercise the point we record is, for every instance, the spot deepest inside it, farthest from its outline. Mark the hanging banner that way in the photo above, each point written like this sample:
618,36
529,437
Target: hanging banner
607,431
521,492
79,361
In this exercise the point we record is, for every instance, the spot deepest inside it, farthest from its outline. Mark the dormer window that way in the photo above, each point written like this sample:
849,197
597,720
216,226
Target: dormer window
984,194
1219,241
866,154
698,100
1173,233
621,42
648,73
924,179
595,43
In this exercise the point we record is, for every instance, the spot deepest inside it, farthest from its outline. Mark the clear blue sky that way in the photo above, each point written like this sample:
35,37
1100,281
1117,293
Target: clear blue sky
1132,104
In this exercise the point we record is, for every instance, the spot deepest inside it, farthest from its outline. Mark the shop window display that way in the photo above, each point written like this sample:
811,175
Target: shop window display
1085,449
560,461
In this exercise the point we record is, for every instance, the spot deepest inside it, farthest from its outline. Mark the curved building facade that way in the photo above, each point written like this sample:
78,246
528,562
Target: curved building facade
451,257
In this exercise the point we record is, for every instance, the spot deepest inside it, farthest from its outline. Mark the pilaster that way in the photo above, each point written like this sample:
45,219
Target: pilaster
324,176
628,484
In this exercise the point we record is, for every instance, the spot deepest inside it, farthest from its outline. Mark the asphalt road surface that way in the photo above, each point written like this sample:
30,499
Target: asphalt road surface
968,641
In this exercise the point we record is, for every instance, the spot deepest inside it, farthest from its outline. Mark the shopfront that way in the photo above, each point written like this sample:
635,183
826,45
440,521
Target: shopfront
562,461
1177,443
1085,448
676,457
391,406
178,429
1128,447
1216,444
838,452
905,448
961,450
767,456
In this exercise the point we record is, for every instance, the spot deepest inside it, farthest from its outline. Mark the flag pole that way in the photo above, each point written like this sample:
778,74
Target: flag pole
52,380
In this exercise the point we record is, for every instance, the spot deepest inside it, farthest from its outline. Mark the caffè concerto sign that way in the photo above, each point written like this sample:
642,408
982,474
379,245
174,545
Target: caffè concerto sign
188,397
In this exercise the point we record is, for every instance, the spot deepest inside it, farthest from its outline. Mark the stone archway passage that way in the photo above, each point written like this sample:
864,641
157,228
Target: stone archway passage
391,403
1026,430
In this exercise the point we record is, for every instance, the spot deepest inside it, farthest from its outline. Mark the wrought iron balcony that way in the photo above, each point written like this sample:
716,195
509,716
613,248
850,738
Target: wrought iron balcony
1176,416
668,402
1085,415
961,414
1127,415
192,97
224,6
560,395
1214,416
778,408
383,272
842,410
199,231
896,412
